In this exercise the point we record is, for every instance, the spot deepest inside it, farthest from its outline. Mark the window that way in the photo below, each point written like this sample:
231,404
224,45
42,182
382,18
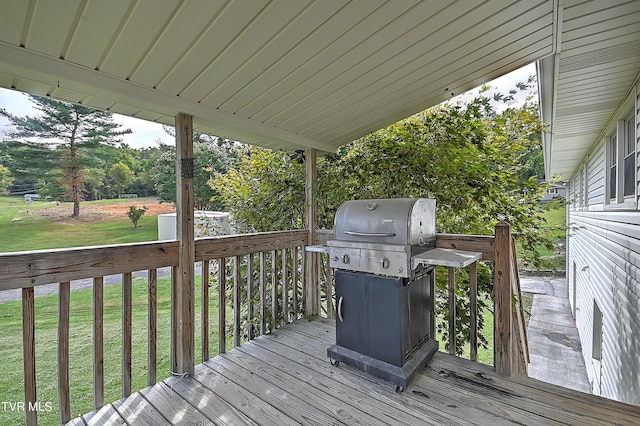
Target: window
552,191
613,166
629,157
621,162
596,343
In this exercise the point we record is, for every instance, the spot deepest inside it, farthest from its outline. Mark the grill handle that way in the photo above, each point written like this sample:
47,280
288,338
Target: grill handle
370,234
340,309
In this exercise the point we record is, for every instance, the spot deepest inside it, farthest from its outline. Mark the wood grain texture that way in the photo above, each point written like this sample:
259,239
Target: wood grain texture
284,378
98,342
478,243
34,268
152,312
263,292
29,352
64,399
204,310
222,303
237,302
451,286
127,332
473,311
250,296
285,285
274,290
502,300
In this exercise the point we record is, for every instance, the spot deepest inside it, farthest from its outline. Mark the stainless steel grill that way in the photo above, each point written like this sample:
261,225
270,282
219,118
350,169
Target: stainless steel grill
384,256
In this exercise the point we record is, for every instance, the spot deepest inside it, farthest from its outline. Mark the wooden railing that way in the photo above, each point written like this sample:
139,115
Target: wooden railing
267,266
266,276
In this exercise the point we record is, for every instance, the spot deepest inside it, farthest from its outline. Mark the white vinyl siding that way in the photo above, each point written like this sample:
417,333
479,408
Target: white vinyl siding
603,248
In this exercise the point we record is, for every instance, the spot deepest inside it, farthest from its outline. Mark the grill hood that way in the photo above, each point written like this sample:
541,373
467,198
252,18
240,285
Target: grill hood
402,221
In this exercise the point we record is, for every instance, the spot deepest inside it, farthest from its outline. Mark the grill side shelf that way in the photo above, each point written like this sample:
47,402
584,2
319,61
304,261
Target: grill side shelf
446,257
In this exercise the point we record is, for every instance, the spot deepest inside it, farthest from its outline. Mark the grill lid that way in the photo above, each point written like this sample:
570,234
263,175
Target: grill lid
406,221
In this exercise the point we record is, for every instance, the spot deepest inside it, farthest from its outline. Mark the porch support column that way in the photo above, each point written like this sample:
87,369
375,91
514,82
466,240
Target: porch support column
182,294
502,359
312,306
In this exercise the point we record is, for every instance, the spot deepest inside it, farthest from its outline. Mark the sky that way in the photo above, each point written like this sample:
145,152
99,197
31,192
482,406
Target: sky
146,133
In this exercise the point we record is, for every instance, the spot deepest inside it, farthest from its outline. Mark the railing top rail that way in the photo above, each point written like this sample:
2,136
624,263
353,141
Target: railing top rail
40,267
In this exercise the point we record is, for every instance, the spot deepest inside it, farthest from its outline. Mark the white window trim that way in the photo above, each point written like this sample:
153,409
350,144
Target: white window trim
618,201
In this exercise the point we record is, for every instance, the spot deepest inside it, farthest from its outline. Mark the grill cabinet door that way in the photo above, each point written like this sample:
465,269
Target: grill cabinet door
375,311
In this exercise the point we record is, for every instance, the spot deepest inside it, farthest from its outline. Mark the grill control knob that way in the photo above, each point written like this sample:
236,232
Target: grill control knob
346,259
385,263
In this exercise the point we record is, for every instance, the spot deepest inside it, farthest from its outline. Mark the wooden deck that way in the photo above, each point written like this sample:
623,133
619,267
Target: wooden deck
285,378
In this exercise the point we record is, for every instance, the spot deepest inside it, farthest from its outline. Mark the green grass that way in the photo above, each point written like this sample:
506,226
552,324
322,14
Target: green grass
24,227
80,363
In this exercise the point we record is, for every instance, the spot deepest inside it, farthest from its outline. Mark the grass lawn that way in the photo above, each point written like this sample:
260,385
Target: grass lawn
81,320
29,226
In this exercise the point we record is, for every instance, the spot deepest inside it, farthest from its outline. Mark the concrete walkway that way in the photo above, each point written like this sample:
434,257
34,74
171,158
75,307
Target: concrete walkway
554,345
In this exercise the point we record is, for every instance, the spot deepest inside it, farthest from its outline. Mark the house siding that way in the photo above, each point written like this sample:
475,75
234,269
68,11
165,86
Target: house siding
603,254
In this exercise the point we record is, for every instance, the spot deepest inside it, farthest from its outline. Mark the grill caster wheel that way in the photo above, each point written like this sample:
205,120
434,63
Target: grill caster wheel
399,389
334,363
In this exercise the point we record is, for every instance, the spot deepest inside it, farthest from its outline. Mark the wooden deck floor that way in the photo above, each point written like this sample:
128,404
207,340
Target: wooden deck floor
285,379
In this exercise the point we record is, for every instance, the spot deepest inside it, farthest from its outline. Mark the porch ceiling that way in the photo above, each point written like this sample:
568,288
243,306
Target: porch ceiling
281,73
584,84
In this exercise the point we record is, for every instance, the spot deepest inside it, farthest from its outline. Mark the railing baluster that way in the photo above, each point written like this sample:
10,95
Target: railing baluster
64,297
29,352
204,312
236,301
295,279
285,286
250,296
98,342
127,313
263,293
274,290
473,306
452,310
152,346
222,306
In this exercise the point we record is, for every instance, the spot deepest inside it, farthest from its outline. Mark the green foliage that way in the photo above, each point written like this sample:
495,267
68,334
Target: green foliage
72,129
135,214
5,179
121,175
211,155
263,191
477,159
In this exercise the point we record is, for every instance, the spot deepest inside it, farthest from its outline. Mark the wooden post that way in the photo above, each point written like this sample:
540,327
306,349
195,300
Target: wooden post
502,300
183,303
312,306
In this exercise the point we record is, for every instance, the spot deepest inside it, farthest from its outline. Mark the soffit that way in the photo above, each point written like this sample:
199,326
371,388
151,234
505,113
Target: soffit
596,68
282,74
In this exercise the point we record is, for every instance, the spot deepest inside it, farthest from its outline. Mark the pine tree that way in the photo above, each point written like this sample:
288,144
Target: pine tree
74,129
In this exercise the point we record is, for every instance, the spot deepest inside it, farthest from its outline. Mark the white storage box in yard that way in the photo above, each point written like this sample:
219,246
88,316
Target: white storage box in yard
206,224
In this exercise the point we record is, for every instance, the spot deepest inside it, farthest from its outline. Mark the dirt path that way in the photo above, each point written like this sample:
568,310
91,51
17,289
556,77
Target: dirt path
99,212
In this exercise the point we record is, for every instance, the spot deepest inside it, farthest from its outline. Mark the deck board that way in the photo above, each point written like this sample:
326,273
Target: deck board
285,379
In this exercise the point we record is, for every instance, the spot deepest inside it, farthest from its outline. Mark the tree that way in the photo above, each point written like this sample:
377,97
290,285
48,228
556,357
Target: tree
135,214
71,129
122,176
211,155
5,179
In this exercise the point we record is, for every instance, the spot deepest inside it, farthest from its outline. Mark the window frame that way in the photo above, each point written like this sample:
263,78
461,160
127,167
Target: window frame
618,154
